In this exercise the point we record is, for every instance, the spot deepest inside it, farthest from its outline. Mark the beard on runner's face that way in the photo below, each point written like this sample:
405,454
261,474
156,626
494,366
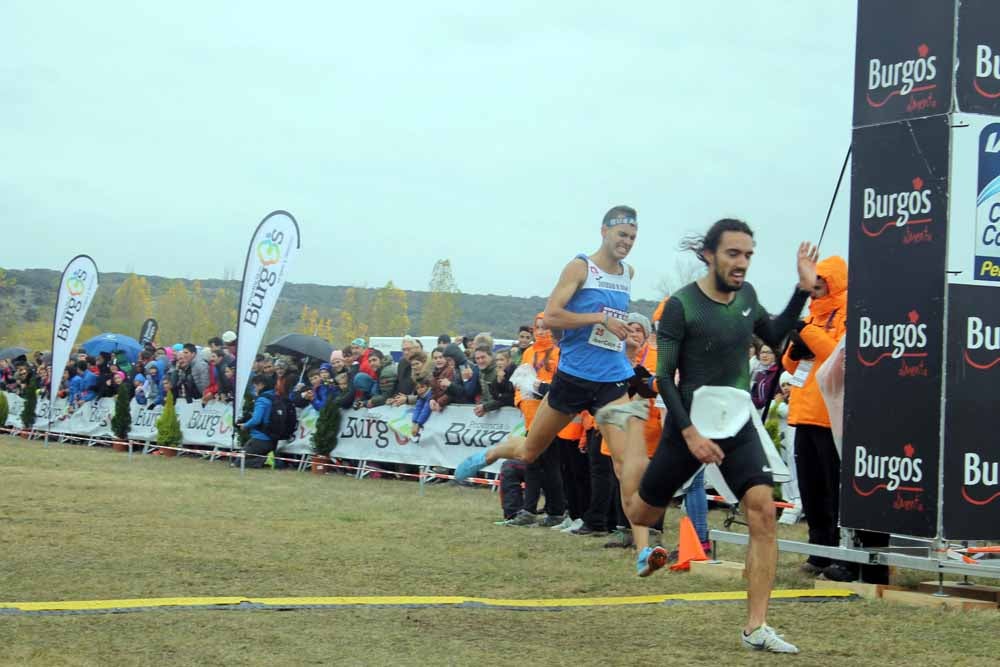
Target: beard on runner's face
730,274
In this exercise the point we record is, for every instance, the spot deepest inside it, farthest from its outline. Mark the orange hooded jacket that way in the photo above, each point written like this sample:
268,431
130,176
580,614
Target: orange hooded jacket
825,326
543,355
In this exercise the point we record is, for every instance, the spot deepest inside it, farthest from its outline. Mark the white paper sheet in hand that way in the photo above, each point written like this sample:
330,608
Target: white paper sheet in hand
524,378
720,412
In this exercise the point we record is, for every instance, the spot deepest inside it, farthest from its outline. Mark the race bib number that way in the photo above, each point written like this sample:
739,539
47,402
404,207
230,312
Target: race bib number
601,337
801,373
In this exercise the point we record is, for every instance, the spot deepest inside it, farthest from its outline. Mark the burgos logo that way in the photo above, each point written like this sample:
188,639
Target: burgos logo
878,342
883,211
908,77
269,253
268,250
76,283
987,67
980,473
892,473
979,336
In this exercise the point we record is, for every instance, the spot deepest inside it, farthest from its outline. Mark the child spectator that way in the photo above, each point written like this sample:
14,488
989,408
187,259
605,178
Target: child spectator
139,388
422,408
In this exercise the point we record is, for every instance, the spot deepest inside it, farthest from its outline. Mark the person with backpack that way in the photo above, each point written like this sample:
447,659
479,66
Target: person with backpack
267,423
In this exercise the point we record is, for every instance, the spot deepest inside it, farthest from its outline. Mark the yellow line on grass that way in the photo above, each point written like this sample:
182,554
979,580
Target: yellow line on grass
363,601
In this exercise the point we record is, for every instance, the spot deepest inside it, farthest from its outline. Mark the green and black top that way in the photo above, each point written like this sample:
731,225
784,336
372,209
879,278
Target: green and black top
707,342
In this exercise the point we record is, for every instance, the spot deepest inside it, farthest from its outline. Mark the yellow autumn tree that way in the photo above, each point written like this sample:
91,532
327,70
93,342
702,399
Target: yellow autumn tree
173,315
440,313
308,323
348,323
388,316
131,304
222,311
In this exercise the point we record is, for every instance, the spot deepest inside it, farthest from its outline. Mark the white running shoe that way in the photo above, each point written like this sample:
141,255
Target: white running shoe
765,638
566,523
575,525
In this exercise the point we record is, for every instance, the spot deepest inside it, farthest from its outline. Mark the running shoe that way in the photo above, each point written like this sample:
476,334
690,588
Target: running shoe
765,638
471,466
522,518
650,560
549,521
574,525
567,522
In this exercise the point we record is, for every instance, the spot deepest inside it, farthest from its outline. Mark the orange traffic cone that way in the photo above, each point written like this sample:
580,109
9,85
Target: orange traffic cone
690,547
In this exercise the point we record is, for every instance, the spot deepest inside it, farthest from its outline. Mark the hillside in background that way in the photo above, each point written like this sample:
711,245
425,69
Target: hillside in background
26,308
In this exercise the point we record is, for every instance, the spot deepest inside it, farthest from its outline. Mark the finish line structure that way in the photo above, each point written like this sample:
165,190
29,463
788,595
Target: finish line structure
920,456
409,602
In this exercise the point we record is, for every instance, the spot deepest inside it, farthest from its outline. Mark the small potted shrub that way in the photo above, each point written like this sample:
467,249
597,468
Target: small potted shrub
30,405
168,428
324,438
121,423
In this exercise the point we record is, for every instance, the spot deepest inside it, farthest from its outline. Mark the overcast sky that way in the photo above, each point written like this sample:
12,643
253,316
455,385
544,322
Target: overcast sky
155,136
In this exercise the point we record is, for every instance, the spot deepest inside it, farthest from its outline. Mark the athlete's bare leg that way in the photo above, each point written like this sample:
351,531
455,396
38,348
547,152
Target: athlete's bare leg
628,454
762,555
546,426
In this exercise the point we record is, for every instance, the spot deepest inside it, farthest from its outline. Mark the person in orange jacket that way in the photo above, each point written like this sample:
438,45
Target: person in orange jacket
816,460
545,472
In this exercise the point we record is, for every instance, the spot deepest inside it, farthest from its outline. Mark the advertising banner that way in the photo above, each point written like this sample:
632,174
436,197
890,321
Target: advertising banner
903,60
972,452
77,287
272,246
380,434
147,333
895,330
977,85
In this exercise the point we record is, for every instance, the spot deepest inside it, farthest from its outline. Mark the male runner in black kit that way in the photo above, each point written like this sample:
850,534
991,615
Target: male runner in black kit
704,333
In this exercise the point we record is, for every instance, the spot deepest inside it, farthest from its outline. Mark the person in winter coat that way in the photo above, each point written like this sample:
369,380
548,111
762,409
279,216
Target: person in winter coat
81,386
422,408
816,460
442,377
260,444
465,388
387,376
495,391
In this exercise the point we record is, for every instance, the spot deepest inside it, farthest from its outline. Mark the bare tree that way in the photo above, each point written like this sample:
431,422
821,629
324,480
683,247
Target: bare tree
686,269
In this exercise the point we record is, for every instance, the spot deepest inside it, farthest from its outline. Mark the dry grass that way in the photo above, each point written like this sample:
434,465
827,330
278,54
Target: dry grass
80,523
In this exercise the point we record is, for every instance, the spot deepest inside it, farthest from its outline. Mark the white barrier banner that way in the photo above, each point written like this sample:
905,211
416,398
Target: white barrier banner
384,434
381,434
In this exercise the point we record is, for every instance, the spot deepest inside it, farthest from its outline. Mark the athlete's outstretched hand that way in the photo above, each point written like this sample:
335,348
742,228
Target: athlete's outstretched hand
807,257
704,449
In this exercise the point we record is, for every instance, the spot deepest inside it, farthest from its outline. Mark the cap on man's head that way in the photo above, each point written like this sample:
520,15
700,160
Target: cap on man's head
229,337
360,342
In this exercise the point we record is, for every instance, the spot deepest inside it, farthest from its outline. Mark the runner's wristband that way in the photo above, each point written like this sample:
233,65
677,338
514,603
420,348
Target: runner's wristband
605,319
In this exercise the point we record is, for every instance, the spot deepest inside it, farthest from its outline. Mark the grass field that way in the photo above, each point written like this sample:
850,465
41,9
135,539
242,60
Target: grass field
87,524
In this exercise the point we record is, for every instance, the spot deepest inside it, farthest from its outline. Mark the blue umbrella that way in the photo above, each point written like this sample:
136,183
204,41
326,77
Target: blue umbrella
111,343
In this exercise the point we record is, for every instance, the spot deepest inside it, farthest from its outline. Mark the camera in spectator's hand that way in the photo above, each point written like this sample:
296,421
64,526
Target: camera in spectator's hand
798,349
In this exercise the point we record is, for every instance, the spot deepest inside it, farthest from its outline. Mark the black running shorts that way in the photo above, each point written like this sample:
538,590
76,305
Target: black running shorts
744,465
571,395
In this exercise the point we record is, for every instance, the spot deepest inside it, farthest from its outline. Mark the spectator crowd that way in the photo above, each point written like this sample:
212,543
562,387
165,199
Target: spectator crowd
574,477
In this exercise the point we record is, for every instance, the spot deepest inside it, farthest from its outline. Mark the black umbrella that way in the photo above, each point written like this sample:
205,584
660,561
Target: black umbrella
300,345
15,352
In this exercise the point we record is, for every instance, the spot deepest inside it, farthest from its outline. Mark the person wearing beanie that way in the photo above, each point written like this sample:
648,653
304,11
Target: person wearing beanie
138,388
